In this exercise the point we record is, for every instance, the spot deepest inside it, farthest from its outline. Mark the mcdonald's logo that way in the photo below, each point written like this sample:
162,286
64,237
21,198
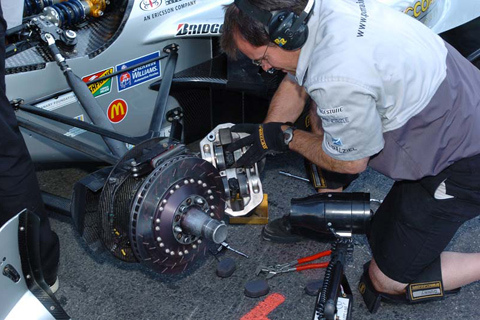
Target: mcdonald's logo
117,110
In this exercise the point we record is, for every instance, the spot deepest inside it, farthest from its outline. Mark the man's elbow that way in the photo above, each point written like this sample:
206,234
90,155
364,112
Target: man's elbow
357,166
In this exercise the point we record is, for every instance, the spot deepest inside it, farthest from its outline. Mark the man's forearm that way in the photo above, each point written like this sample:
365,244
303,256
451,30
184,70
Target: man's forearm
287,103
310,146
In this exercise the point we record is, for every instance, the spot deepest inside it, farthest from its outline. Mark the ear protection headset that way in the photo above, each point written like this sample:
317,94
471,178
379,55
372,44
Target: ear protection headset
286,29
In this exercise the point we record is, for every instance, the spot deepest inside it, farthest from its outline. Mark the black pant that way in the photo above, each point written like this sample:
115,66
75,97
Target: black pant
19,187
412,227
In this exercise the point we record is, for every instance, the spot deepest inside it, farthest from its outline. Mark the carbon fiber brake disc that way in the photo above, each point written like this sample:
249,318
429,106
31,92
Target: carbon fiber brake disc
181,187
116,197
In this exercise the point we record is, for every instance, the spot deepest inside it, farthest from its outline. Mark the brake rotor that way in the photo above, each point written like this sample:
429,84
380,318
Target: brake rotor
116,198
181,184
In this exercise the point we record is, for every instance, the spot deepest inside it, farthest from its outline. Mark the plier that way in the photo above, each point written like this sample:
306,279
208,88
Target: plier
296,265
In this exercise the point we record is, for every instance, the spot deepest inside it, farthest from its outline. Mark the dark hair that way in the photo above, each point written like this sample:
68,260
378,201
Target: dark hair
238,23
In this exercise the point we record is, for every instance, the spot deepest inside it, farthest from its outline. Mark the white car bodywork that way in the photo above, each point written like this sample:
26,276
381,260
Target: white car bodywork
439,15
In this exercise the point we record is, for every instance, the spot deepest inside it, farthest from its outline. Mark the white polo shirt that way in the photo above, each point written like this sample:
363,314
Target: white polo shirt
375,75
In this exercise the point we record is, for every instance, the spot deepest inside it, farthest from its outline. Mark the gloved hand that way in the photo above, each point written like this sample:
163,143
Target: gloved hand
266,138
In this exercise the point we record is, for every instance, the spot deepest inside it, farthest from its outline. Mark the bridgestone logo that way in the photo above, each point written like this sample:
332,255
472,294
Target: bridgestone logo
187,29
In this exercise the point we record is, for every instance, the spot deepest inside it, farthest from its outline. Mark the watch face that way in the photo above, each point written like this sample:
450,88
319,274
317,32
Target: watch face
288,135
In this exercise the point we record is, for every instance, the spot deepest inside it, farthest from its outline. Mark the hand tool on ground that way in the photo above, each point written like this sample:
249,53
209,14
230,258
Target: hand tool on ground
296,265
227,246
293,176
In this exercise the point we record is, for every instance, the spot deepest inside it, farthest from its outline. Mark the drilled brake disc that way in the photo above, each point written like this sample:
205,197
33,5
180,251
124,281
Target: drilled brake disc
179,184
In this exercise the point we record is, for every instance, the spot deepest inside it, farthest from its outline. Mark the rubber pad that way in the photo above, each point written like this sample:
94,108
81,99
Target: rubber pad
256,288
313,286
226,267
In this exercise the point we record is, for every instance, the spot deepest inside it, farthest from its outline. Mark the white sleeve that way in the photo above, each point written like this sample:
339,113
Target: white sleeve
12,12
352,125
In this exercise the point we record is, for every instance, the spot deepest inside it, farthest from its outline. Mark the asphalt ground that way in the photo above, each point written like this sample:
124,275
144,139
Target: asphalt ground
98,286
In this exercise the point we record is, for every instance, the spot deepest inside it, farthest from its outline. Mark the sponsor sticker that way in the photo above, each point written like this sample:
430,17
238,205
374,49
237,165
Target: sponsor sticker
59,102
117,110
101,87
173,5
73,132
149,5
195,29
138,75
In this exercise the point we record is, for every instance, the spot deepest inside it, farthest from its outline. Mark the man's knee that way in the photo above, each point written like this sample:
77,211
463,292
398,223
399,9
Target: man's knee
382,283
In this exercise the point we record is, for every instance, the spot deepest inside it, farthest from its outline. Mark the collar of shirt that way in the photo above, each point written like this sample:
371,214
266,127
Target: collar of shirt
309,46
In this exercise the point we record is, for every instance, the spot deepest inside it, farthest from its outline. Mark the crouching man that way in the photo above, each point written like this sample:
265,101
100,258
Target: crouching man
390,94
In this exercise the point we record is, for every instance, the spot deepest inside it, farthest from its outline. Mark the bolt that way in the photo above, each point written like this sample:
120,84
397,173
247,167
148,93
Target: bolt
177,186
329,224
161,245
160,209
192,181
180,253
212,214
194,246
211,197
159,239
185,181
167,250
212,207
164,201
199,241
185,252
178,229
209,191
71,34
172,191
22,229
158,220
204,185
28,276
52,308
157,228
199,181
199,201
172,253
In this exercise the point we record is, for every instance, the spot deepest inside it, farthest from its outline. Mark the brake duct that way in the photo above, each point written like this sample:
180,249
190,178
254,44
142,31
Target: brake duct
161,204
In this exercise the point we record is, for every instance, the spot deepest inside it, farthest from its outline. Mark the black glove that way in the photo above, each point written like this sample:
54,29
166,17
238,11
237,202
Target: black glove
264,139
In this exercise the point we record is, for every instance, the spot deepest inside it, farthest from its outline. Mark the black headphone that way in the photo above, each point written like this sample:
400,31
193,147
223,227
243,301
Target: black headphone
286,29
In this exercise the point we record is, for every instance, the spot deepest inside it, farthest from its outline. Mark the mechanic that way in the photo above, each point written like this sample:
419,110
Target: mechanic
19,188
390,94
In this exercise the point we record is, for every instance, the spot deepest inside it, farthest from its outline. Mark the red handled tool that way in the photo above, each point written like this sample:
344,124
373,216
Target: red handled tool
296,265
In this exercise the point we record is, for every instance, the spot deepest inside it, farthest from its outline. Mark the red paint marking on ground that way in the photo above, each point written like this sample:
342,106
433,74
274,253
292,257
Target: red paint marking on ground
263,308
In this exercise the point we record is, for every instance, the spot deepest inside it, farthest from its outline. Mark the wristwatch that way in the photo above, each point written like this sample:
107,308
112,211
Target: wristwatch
288,135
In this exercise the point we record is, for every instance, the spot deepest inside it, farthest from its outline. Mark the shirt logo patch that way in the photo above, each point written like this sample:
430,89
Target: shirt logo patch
337,142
